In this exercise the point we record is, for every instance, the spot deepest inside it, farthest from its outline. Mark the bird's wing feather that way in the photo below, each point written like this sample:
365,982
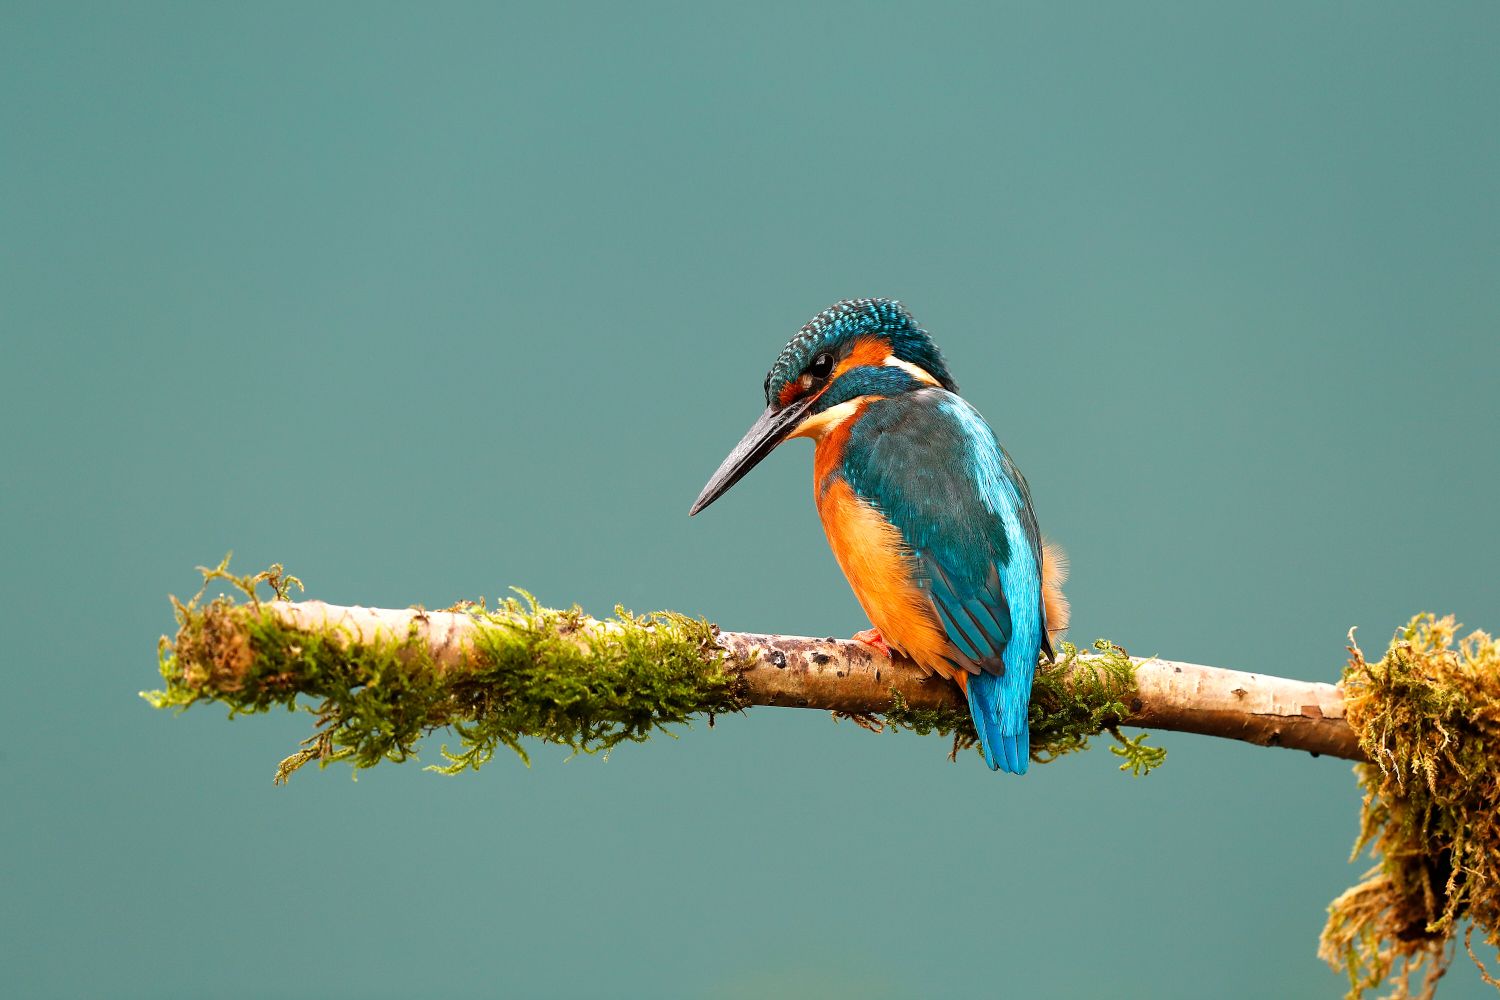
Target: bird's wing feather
931,465
933,468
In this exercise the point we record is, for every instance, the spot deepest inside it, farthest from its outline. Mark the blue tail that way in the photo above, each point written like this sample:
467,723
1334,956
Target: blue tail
1009,752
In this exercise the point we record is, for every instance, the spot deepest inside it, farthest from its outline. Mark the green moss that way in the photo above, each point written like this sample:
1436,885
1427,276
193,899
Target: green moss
537,673
533,672
1073,699
1428,716
950,722
1076,698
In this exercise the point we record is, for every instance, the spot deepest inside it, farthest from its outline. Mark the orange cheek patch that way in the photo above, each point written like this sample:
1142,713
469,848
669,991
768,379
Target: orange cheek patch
866,351
788,392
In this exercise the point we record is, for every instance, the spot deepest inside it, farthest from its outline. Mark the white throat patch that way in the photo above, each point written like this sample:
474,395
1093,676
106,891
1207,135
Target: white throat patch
820,424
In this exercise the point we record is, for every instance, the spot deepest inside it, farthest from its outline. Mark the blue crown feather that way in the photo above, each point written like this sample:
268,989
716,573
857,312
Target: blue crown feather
846,321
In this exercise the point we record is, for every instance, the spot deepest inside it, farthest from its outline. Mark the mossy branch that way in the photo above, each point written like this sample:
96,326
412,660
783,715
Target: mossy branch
379,680
1423,721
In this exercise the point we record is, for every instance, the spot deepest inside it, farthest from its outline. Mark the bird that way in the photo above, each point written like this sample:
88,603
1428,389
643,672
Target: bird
926,513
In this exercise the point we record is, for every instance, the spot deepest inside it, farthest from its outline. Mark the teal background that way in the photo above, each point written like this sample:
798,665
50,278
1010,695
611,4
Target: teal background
429,301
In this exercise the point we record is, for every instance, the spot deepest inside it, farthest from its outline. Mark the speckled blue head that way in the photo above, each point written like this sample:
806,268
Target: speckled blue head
853,349
838,328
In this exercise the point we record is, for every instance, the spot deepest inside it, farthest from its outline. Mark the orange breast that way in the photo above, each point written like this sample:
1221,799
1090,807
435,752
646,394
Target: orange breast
874,558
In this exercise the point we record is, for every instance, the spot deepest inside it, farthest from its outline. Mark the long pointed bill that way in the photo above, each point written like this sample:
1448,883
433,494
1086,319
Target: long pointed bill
772,428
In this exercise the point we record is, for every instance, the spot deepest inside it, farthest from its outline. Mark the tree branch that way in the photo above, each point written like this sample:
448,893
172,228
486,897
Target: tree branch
843,676
846,676
378,681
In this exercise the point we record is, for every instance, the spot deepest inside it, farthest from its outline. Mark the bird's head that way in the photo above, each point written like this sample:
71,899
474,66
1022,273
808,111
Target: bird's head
853,349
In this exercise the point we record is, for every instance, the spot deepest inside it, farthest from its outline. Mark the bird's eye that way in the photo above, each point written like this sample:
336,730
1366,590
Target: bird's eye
821,367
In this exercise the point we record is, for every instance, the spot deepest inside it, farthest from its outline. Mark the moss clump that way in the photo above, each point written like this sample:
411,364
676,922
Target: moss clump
1073,699
1428,716
539,674
532,672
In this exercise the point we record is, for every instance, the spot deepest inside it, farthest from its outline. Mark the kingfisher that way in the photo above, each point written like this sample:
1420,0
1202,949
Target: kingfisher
928,517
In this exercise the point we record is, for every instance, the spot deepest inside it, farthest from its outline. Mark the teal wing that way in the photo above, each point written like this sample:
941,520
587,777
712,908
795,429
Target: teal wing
933,467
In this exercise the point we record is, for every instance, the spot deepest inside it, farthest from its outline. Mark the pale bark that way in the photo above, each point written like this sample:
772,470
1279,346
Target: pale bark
845,676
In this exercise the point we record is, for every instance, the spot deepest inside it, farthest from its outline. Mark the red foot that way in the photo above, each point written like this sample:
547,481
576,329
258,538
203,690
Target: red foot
871,637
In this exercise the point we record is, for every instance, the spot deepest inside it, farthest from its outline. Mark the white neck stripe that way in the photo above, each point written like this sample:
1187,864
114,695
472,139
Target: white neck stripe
920,374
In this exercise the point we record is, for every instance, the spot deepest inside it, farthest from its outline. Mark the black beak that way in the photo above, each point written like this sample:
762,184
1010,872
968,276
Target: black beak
760,440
